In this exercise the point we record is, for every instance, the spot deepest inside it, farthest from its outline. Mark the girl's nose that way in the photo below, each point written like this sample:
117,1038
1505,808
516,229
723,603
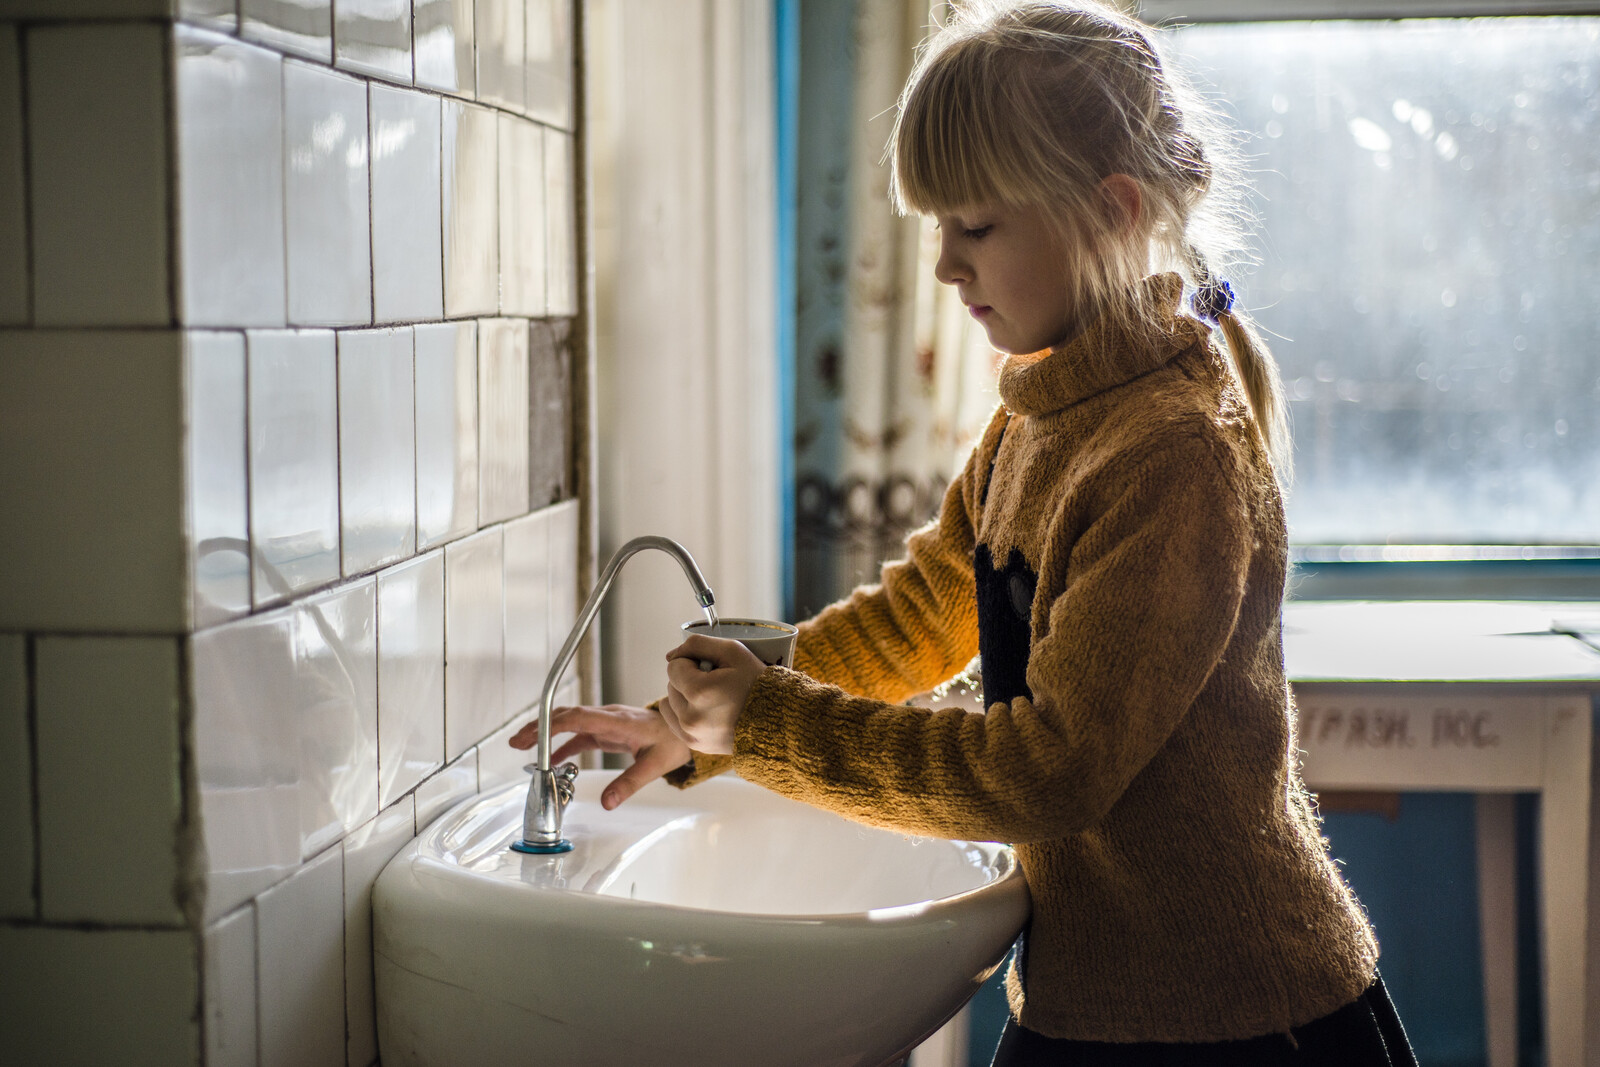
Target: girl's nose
950,268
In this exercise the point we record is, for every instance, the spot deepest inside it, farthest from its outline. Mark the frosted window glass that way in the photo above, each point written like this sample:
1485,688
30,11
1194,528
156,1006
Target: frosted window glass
1429,203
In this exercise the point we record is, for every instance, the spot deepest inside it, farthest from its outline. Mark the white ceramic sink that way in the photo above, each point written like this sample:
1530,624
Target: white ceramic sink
721,925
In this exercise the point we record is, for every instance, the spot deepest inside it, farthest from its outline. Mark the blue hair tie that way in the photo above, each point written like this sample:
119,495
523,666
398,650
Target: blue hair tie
1213,300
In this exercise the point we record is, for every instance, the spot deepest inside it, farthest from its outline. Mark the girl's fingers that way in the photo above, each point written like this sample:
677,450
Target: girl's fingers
719,651
609,727
614,727
526,737
672,710
578,745
561,722
685,675
650,764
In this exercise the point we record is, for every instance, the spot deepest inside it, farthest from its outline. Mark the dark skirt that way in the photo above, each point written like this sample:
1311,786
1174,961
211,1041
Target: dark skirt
1364,1033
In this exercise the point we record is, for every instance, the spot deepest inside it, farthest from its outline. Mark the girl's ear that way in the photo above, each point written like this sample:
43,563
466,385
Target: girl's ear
1124,201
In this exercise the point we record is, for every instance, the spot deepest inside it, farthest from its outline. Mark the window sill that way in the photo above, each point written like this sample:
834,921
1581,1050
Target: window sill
1359,572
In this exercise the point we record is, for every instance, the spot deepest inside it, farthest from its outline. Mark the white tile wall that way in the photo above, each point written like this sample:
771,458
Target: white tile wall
410,674
366,851
100,250
300,27
300,962
91,439
217,454
214,14
471,210
373,37
474,634
503,488
527,605
499,763
502,38
249,467
549,78
561,223
447,431
16,782
336,677
294,462
327,206
447,788
230,990
407,256
107,717
132,996
377,448
14,280
522,217
230,190
247,755
442,42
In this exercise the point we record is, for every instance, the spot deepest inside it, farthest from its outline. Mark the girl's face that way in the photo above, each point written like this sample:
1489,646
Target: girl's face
1009,266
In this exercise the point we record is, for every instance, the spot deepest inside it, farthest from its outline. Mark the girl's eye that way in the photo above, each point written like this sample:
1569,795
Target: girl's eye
976,233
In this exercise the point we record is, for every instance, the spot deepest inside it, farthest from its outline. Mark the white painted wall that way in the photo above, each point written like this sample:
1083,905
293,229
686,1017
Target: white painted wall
682,128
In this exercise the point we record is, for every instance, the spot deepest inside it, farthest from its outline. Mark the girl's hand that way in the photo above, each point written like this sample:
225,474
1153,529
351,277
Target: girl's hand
703,705
639,732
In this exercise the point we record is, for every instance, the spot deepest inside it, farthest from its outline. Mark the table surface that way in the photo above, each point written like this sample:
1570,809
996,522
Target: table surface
1546,643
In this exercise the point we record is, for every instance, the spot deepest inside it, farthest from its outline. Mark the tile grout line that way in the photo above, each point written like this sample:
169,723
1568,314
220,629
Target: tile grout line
338,448
283,161
255,939
169,85
372,215
23,101
88,927
249,487
31,682
192,883
344,914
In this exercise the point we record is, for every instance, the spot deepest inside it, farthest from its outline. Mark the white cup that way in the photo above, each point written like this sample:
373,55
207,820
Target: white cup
772,642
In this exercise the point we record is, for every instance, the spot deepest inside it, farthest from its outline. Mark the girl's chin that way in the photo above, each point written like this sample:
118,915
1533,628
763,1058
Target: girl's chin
1008,343
1009,347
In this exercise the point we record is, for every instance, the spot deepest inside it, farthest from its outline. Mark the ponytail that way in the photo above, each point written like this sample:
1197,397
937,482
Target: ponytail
1252,363
1263,387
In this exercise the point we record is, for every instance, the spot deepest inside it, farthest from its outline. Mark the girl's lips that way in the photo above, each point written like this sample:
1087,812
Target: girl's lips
979,311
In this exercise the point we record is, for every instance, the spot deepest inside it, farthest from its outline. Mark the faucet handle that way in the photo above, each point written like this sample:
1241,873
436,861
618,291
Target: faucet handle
566,782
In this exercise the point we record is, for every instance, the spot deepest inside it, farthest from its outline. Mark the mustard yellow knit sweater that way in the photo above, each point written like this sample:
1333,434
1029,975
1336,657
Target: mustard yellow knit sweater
1147,774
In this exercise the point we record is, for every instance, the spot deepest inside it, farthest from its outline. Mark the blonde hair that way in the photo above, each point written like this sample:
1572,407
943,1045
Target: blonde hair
1037,102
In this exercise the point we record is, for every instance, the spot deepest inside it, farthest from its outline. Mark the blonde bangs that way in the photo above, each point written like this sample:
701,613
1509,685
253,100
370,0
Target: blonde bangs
946,148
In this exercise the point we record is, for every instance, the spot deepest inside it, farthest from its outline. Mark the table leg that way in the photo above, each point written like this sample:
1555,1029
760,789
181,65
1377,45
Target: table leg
1497,922
1564,871
1592,988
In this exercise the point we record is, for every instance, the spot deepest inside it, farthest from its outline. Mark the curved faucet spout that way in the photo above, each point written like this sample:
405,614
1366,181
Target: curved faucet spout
551,789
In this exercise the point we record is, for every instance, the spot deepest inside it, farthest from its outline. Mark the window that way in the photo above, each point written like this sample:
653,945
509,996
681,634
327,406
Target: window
1429,205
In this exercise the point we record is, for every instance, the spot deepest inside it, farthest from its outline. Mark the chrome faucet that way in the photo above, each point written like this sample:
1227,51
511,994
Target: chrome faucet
551,789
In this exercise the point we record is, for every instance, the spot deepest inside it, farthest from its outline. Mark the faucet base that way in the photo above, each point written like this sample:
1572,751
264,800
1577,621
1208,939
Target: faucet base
562,845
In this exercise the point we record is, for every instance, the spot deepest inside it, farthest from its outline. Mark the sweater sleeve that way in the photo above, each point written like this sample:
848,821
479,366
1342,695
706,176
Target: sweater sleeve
917,627
1146,602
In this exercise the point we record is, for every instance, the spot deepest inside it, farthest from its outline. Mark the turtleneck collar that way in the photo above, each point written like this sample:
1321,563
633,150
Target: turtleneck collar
1105,355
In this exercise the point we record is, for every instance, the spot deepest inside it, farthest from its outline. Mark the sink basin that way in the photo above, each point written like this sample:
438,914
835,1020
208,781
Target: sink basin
721,925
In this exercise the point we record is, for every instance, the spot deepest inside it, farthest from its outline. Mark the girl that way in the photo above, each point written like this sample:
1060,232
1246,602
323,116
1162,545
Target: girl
1115,548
